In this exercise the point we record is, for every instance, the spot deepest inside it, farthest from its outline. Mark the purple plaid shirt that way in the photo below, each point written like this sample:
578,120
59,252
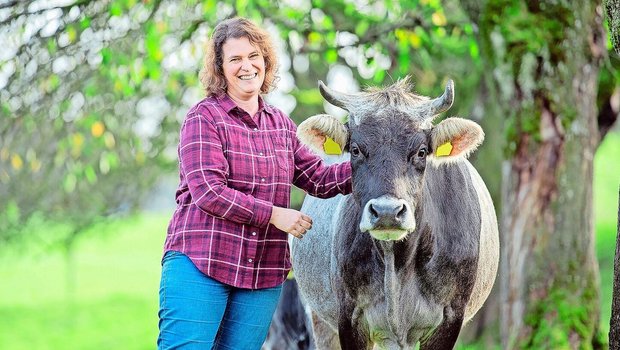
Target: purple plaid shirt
233,170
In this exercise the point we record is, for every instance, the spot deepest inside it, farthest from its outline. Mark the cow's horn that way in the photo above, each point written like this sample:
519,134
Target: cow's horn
443,102
336,98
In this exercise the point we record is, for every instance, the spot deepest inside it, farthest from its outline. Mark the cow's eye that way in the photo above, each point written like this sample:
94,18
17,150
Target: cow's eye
355,151
422,152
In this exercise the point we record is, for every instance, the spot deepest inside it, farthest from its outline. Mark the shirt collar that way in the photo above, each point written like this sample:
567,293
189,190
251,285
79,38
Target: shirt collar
228,104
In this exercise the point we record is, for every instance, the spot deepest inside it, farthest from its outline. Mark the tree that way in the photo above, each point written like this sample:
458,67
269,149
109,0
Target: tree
612,8
544,62
78,142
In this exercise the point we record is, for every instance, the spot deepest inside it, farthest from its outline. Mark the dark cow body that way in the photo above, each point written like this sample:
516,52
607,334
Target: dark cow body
413,252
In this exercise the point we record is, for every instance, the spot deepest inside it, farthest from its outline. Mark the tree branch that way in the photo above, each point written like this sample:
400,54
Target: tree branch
65,9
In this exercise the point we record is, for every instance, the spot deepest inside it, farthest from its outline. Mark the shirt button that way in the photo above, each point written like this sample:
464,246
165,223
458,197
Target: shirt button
253,233
262,179
261,153
255,129
250,260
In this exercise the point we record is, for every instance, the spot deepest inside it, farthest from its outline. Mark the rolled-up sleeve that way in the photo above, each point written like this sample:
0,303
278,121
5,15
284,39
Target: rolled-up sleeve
205,167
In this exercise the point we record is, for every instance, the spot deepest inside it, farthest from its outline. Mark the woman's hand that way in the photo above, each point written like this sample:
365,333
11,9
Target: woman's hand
291,221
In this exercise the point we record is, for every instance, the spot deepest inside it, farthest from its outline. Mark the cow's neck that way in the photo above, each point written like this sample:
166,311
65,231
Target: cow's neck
391,285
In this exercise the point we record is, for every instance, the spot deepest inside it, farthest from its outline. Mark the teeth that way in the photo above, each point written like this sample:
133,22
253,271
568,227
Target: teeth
247,77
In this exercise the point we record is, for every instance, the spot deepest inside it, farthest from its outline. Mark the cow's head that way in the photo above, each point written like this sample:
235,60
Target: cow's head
391,140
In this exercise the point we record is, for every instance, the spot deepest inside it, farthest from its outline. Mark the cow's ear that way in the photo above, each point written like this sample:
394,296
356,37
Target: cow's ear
454,139
323,134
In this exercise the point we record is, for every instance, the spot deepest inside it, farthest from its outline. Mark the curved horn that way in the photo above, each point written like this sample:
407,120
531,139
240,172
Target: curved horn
336,98
443,102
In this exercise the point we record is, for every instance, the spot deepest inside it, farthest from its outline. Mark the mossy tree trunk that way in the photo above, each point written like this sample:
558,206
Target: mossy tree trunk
612,9
544,59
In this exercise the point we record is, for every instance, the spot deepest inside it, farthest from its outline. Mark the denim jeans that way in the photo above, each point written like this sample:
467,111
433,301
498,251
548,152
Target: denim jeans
198,312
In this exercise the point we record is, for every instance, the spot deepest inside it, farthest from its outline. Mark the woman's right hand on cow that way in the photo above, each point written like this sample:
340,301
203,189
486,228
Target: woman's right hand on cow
290,220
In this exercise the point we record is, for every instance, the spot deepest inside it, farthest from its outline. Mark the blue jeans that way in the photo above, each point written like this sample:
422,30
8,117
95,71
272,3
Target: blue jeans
198,312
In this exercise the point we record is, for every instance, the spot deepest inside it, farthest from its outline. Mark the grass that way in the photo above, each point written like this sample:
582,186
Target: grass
116,274
114,302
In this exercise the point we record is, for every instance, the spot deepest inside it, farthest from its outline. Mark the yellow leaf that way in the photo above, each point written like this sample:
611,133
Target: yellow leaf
414,40
35,165
439,19
140,158
72,33
97,129
17,162
109,140
77,140
314,37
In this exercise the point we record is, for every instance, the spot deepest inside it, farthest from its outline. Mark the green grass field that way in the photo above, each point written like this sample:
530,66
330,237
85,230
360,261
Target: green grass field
116,270
114,305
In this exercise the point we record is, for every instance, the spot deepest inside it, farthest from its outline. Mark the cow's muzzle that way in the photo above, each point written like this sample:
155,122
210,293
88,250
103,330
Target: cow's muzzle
387,218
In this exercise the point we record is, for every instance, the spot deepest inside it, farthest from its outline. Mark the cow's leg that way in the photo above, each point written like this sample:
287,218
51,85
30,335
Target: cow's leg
350,334
325,337
447,332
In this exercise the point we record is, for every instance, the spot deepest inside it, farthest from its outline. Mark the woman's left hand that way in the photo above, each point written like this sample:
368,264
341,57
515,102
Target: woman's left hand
292,221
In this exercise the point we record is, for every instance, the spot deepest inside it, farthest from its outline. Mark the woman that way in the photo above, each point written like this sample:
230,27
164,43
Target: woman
226,252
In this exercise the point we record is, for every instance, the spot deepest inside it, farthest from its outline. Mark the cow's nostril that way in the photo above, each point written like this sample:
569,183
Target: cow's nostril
373,212
401,213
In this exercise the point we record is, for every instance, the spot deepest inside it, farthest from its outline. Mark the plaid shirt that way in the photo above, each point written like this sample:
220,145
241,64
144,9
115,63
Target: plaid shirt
233,170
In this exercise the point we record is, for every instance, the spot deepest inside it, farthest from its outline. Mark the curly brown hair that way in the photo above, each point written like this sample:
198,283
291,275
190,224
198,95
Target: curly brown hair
212,73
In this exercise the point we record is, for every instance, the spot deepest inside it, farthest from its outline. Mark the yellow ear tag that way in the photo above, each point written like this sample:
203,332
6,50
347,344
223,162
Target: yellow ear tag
444,150
331,147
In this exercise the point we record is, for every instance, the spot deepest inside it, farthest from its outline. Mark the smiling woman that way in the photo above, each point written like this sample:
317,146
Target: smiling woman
226,253
244,69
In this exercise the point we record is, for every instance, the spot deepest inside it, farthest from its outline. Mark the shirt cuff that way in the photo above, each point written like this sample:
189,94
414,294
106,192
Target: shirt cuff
262,213
348,185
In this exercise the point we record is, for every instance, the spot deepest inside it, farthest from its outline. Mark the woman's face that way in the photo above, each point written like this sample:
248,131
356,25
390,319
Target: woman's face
244,68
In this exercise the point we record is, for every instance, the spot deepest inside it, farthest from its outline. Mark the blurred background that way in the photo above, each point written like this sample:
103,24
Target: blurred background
93,93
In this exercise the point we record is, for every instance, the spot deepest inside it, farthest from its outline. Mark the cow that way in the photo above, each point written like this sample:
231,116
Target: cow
412,253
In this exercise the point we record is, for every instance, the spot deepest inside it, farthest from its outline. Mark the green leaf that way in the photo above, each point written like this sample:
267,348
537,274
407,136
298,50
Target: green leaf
379,76
90,90
331,56
116,9
474,52
309,97
106,55
361,28
52,47
85,23
241,6
90,174
69,183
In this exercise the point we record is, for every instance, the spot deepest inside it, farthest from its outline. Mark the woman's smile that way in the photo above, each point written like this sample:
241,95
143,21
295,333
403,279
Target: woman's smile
244,68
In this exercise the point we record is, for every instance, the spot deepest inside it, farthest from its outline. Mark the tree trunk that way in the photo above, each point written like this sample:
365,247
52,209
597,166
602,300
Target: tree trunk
544,58
612,8
614,323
